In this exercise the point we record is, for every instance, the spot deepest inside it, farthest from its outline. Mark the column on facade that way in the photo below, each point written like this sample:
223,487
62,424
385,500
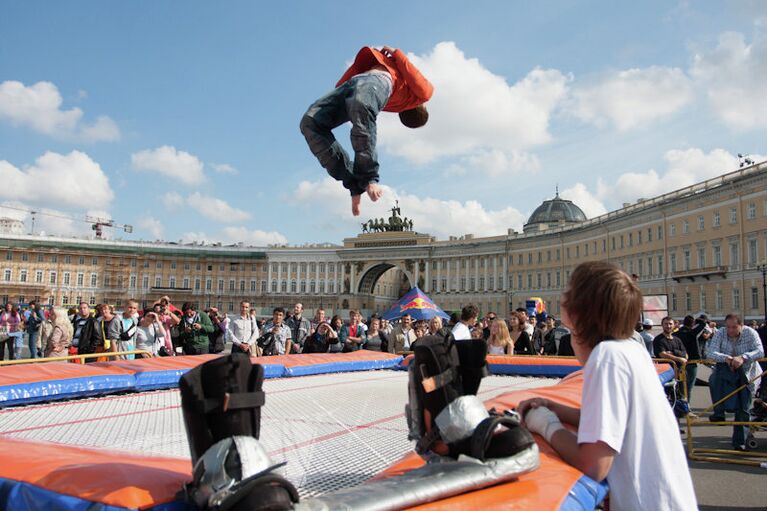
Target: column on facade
427,284
316,277
416,272
448,263
298,277
269,277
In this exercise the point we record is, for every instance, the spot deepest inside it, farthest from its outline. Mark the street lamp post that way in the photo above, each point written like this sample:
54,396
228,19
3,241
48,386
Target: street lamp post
763,268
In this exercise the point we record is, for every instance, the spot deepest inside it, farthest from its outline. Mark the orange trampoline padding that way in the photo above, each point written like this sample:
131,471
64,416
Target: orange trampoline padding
127,481
543,489
30,373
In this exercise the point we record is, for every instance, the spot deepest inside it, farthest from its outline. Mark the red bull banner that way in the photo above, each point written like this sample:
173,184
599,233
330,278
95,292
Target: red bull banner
417,304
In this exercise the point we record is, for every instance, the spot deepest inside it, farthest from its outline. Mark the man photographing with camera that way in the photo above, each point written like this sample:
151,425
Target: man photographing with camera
243,332
277,337
194,330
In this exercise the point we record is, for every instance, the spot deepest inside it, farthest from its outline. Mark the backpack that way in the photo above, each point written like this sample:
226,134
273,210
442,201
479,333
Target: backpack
268,344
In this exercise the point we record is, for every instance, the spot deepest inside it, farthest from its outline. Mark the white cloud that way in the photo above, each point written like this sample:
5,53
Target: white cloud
224,168
172,200
215,209
441,218
474,112
151,225
584,199
633,98
167,160
38,107
734,75
684,167
233,235
58,180
495,163
206,205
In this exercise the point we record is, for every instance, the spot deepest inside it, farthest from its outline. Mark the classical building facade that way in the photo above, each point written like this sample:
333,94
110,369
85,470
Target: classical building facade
701,246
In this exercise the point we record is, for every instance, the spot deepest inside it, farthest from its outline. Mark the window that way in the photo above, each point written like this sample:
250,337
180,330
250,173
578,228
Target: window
701,257
660,232
613,243
578,251
687,259
92,300
80,278
145,282
640,267
67,259
672,258
94,279
548,279
734,255
303,286
274,286
54,258
687,301
132,282
672,230
231,285
754,298
685,226
7,276
529,281
9,256
173,265
443,285
186,283
701,222
719,300
559,280
660,265
639,237
119,281
39,276
208,284
23,276
649,234
197,284
67,278
735,298
717,255
293,286
186,266
284,287
621,241
40,257
220,285
24,257
751,212
752,251
312,287
463,284
64,300
716,222
158,281
673,301
51,299
733,215
649,266
106,280
253,287
159,265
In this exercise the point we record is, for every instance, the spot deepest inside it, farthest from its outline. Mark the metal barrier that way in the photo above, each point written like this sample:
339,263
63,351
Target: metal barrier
722,455
106,354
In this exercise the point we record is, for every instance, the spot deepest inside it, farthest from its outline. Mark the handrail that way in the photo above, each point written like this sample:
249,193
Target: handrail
106,354
722,455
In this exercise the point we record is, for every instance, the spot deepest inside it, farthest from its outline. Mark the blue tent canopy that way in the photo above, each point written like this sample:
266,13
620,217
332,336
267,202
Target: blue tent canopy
417,304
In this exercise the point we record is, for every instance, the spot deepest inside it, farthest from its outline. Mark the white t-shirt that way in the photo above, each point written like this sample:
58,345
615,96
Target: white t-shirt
625,407
461,332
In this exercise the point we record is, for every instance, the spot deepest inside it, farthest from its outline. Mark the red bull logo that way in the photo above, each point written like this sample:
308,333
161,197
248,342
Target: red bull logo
417,303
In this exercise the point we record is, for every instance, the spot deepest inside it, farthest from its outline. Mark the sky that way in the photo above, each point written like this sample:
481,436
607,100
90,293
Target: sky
181,118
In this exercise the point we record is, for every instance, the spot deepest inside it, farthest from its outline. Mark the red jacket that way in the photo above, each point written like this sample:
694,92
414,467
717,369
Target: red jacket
410,88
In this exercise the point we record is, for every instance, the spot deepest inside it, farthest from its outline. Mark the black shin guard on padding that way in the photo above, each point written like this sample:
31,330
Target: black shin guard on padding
221,398
442,371
221,402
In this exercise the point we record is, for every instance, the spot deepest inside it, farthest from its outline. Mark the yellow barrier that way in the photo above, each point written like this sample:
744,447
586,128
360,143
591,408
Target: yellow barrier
721,455
106,354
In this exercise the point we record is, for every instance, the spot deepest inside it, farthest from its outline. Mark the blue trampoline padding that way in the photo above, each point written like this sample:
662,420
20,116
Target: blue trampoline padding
33,392
17,495
552,371
338,367
667,375
585,494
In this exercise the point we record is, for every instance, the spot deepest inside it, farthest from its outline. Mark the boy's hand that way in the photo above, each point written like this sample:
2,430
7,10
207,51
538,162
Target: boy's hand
543,421
528,404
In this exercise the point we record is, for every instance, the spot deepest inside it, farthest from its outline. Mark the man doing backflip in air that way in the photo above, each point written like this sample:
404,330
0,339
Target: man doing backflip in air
377,80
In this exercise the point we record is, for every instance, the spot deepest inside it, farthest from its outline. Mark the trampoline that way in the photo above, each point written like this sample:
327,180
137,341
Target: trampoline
334,430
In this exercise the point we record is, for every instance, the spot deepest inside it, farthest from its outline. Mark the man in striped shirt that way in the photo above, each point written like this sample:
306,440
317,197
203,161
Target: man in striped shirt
734,349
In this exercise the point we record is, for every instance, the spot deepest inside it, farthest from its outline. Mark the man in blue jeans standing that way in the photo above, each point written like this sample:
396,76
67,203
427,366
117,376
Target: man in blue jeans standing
34,321
734,349
377,80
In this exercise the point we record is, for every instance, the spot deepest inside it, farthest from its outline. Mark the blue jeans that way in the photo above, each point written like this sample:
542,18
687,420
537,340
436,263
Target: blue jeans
32,342
723,381
691,374
357,101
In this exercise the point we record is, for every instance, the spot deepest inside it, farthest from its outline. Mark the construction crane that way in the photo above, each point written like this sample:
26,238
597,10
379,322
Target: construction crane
100,223
97,223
